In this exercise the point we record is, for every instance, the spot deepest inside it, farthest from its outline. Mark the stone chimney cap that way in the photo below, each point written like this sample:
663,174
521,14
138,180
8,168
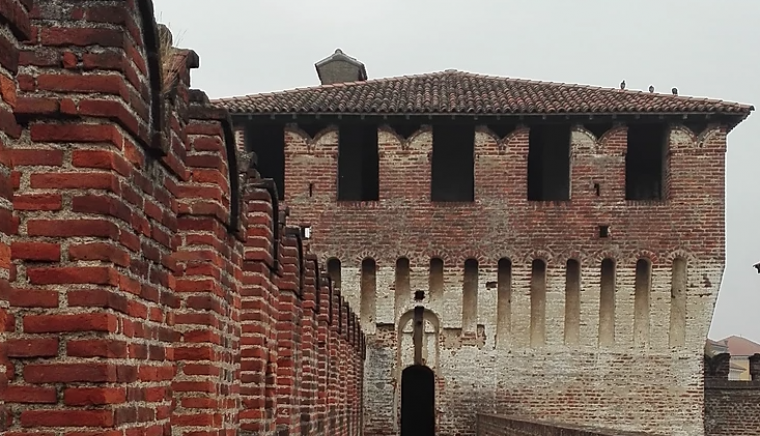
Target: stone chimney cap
342,57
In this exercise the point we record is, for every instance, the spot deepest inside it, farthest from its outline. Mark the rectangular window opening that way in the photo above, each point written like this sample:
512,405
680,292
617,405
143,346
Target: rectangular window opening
268,142
549,163
645,162
453,163
358,163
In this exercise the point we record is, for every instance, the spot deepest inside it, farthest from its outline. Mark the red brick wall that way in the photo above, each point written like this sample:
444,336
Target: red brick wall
732,407
147,284
513,376
14,27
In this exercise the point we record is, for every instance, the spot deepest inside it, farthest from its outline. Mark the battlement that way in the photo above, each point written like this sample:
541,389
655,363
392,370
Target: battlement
150,279
470,162
732,407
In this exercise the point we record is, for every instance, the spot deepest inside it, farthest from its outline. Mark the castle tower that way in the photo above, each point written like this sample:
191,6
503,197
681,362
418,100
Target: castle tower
513,246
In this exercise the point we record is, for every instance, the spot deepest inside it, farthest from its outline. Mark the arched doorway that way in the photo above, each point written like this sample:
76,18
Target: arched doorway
418,401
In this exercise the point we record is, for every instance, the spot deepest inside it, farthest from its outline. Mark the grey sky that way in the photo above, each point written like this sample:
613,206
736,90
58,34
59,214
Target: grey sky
705,48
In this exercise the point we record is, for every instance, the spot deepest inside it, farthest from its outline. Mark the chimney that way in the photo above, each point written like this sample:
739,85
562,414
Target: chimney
340,68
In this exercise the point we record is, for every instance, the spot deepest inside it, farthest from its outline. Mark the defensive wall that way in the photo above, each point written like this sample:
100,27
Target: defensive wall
149,280
732,407
531,308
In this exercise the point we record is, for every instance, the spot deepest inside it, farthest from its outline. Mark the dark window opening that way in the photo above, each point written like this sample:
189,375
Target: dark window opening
696,127
358,163
334,270
549,163
311,189
597,189
645,162
405,130
268,142
604,231
312,129
417,401
453,163
598,129
502,130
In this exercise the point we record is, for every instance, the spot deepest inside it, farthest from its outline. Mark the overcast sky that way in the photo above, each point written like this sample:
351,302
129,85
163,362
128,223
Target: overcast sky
705,48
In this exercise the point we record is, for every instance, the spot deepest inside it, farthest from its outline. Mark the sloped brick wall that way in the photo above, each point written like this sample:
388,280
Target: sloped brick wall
732,407
148,282
494,425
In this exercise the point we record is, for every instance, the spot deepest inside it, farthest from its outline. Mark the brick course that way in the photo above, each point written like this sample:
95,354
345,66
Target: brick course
148,284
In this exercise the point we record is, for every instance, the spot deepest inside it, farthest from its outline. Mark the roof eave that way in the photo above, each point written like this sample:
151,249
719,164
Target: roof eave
742,115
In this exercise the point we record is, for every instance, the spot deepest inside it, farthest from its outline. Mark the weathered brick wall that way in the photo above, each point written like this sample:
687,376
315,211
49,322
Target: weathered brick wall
148,282
576,383
732,407
494,425
14,27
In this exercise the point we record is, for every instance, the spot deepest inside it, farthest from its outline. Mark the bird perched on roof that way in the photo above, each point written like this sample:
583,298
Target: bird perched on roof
675,91
651,89
622,84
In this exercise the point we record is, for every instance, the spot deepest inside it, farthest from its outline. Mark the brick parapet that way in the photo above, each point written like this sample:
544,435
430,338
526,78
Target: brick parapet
139,275
732,407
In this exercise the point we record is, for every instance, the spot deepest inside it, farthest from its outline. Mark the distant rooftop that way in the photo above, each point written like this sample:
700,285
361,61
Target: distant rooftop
738,346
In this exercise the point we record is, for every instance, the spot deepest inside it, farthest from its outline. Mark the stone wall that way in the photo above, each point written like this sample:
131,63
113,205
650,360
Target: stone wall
644,374
149,282
732,407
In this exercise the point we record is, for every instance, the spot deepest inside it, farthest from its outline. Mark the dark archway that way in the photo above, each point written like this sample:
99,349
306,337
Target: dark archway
418,401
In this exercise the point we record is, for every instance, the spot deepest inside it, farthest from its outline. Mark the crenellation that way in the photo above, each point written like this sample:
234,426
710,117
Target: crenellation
141,277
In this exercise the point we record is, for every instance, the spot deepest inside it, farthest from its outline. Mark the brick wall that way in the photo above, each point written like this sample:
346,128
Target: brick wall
575,382
149,283
732,407
494,425
14,27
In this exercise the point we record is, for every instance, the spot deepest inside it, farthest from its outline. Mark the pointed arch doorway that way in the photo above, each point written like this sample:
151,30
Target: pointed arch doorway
417,401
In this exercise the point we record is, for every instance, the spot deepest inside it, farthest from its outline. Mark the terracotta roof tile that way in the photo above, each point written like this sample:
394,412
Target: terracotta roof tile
457,92
739,346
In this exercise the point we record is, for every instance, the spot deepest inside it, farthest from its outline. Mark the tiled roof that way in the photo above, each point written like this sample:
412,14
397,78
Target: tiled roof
456,92
739,346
